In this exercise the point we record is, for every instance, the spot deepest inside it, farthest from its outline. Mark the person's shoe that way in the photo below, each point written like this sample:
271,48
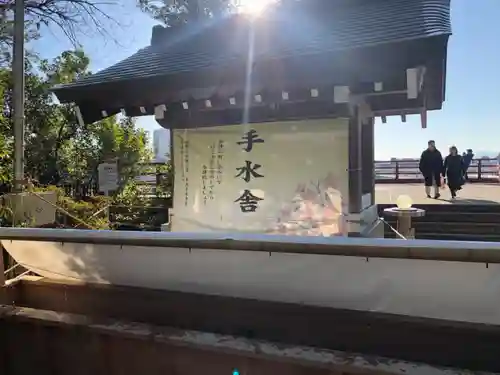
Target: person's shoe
437,196
428,196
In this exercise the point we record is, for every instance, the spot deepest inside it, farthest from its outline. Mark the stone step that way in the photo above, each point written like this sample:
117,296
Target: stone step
450,222
452,237
451,208
453,227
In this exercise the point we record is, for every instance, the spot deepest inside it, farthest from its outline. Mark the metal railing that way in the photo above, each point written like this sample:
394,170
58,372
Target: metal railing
455,251
406,171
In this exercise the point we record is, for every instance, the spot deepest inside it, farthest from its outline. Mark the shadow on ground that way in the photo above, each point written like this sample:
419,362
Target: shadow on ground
471,201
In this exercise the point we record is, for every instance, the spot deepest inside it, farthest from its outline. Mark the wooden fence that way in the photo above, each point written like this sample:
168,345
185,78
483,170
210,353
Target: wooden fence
406,171
139,218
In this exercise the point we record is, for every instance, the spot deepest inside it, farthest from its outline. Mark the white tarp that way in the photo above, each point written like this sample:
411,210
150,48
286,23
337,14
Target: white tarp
445,290
287,178
108,177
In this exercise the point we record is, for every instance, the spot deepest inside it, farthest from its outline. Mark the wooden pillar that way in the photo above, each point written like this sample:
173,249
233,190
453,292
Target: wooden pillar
368,157
172,171
2,267
355,168
166,124
3,289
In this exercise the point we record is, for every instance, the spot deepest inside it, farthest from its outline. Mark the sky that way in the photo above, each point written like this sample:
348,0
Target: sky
469,118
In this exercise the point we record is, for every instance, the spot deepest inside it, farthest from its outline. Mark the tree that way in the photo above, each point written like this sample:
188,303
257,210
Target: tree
178,12
103,141
72,17
57,146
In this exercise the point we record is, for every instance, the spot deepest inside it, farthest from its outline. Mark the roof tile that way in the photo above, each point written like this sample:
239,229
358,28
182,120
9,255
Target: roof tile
364,23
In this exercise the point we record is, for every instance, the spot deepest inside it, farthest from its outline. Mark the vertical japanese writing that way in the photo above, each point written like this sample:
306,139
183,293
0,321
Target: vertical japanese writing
183,174
186,172
184,164
249,139
211,166
248,171
212,171
220,159
204,183
247,201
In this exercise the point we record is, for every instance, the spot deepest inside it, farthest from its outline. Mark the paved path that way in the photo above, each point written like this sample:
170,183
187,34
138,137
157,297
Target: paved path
470,194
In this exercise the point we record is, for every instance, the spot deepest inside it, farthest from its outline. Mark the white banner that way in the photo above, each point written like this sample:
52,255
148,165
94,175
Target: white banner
108,177
288,178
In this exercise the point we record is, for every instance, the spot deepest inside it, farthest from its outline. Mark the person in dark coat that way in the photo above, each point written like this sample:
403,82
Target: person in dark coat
431,167
454,169
467,157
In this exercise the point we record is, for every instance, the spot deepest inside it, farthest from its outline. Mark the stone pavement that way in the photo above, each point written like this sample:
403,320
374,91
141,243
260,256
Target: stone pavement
470,194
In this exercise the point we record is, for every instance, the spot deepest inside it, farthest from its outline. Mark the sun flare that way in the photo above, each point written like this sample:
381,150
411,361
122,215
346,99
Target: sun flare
254,7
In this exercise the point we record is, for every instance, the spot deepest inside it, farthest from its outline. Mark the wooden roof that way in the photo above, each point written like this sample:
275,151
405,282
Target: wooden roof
338,42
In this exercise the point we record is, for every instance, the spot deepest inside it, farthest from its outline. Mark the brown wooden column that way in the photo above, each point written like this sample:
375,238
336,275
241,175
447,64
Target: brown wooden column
368,159
355,165
164,124
172,171
3,289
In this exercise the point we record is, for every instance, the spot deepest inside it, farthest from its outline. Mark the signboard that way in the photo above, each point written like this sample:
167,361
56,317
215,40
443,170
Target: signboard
108,177
274,178
31,209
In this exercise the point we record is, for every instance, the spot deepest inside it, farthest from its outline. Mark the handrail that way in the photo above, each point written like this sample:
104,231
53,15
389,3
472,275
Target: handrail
406,170
456,251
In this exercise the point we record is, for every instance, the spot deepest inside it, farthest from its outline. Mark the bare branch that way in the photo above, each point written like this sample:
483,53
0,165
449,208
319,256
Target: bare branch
72,17
175,12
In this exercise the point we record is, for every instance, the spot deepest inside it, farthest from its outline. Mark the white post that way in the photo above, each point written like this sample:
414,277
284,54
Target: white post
18,75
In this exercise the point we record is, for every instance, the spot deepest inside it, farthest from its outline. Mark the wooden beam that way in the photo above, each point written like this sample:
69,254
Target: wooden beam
160,112
2,268
3,288
423,118
79,116
424,340
468,252
414,81
247,355
341,94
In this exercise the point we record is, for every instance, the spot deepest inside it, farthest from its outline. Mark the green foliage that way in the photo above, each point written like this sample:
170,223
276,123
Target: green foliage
72,17
178,12
132,194
58,150
85,211
55,143
103,141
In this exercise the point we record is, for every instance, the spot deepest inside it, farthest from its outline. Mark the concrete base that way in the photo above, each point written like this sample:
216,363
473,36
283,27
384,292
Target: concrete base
375,231
365,224
73,326
30,209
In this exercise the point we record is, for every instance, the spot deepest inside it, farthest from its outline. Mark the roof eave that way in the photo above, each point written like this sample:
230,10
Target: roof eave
75,92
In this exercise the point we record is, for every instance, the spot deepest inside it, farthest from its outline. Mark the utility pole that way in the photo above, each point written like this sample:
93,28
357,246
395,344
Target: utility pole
18,75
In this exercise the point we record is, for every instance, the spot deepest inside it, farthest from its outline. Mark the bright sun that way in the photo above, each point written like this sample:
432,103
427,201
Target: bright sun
254,7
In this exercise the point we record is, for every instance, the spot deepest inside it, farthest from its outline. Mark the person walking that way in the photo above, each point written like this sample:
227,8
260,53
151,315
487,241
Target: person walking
431,167
467,158
454,169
